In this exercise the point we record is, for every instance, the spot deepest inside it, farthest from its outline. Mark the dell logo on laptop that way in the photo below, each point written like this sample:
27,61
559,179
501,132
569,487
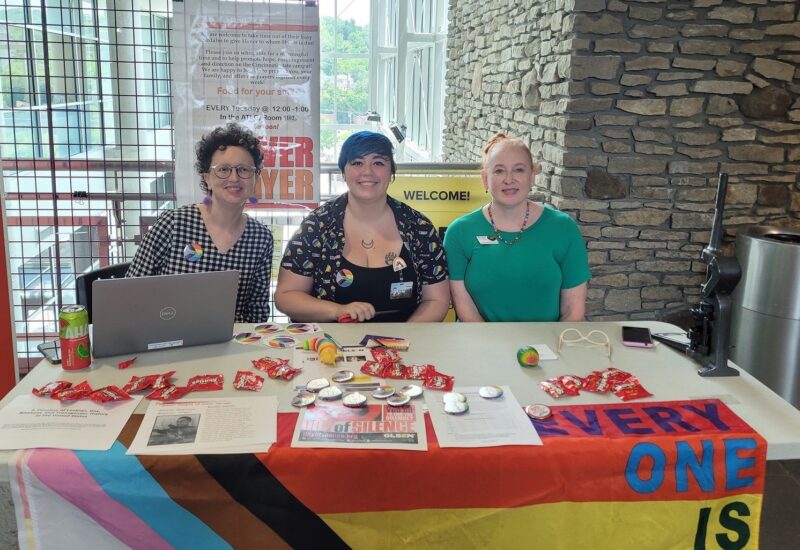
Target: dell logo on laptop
168,313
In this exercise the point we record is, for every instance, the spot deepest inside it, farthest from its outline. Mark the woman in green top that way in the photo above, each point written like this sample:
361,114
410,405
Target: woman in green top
513,259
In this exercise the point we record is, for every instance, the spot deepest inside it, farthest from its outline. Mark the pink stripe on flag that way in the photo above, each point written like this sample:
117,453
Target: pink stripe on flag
62,472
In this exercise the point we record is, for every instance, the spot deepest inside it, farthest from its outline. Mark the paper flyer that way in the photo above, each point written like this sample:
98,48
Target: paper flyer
374,426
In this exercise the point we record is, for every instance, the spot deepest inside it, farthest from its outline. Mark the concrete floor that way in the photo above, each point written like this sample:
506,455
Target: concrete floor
780,528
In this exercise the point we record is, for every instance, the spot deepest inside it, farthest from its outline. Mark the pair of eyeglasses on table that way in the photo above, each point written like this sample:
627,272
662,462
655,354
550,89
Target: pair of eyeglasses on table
572,336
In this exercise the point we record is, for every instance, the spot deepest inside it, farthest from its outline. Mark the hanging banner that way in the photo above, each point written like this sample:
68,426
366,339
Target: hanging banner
255,64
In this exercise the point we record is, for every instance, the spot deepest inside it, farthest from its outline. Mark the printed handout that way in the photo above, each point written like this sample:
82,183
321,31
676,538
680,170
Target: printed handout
30,422
208,426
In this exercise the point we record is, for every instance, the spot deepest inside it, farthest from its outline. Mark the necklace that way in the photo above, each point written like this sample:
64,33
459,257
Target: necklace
367,244
496,234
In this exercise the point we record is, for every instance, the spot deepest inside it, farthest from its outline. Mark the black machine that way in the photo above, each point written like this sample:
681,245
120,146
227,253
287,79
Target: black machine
710,337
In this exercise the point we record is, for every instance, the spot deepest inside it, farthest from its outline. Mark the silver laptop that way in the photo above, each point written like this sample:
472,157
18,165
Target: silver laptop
163,311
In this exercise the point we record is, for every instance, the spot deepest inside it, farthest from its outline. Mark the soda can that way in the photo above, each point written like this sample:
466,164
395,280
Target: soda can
73,331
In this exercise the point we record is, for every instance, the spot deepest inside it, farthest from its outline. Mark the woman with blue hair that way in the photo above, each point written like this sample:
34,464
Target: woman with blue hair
364,255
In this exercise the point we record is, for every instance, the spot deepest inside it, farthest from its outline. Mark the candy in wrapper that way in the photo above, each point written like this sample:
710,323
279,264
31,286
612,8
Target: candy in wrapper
79,391
141,383
393,370
107,394
595,383
246,380
570,384
385,355
615,377
418,372
283,371
631,389
552,388
373,368
162,380
265,364
205,382
168,393
51,388
439,381
137,383
126,364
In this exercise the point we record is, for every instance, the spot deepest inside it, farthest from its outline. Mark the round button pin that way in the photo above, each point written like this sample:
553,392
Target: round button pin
354,399
342,376
490,392
317,384
398,400
382,392
456,407
412,390
539,412
303,399
454,397
331,393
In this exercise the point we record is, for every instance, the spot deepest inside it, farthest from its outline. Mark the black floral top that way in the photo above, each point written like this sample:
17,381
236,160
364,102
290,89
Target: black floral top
316,248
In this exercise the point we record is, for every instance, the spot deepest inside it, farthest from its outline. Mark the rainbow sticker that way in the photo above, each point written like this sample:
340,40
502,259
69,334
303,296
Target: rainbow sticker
344,278
267,328
193,252
247,338
299,328
282,342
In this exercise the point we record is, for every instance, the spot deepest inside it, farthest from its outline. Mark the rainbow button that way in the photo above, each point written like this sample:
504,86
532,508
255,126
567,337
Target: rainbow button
193,252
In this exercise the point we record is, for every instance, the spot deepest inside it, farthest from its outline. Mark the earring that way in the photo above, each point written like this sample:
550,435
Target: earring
252,200
207,200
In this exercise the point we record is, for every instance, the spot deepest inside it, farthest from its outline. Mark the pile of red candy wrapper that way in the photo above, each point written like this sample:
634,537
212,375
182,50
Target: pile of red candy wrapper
386,364
160,388
622,384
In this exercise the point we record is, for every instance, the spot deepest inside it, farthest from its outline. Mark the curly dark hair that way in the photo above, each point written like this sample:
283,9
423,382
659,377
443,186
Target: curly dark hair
221,138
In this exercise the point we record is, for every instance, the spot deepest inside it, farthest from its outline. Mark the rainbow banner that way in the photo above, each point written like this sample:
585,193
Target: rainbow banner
681,474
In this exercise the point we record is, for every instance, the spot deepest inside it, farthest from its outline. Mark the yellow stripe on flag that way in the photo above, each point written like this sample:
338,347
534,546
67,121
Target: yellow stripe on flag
728,522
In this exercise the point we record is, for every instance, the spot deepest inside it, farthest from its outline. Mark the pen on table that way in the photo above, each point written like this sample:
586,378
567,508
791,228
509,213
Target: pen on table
345,318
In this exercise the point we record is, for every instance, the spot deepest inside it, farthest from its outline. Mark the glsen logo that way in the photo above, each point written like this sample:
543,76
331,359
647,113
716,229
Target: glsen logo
168,313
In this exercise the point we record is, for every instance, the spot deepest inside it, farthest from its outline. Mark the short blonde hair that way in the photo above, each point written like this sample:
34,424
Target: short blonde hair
501,138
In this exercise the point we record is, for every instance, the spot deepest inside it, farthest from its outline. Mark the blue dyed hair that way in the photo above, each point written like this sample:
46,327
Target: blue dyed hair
366,143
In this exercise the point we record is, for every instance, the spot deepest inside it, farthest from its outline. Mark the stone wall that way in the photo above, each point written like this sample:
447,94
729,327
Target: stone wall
633,108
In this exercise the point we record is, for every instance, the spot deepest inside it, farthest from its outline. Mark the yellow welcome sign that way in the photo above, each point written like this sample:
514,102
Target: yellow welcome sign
441,198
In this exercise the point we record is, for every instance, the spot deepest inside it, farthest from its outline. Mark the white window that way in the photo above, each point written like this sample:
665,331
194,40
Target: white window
382,69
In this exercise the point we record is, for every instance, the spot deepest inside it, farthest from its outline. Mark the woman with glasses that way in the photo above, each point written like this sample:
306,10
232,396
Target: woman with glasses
364,255
216,234
514,259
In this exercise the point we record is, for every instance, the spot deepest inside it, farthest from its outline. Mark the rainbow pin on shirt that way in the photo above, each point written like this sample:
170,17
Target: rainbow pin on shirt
193,252
344,278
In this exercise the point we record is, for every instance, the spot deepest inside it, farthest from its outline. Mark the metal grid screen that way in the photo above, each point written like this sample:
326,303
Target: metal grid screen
86,144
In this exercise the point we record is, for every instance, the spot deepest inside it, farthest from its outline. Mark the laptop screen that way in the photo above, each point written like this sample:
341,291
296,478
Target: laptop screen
162,311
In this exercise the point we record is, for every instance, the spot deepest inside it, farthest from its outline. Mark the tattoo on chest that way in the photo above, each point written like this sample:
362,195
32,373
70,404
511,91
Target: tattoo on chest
390,258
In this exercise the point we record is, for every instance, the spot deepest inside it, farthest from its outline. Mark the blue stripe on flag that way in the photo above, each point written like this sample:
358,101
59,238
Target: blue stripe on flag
124,478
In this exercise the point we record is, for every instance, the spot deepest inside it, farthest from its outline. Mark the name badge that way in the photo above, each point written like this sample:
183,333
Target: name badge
401,290
483,239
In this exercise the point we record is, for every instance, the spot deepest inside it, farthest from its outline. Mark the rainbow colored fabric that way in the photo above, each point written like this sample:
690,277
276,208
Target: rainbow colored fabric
684,474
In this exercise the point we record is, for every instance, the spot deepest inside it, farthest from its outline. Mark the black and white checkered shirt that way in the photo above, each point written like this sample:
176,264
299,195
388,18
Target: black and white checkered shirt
173,245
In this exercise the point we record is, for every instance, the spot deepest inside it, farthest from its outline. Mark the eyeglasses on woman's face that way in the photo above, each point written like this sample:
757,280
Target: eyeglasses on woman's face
223,171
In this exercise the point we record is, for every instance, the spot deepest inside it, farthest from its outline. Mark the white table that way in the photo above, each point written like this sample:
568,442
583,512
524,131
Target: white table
477,354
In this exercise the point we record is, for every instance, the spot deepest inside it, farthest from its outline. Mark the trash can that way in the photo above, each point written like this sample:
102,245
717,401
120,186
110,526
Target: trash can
766,308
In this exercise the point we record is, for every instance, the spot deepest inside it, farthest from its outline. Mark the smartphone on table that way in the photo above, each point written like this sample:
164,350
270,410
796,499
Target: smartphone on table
637,337
51,351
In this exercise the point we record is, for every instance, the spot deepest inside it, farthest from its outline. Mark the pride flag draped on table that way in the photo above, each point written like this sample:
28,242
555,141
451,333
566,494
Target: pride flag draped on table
683,474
